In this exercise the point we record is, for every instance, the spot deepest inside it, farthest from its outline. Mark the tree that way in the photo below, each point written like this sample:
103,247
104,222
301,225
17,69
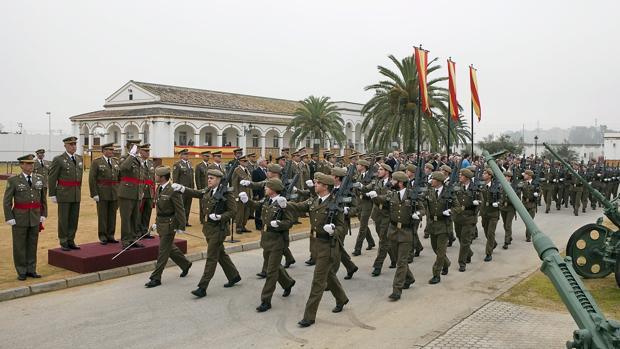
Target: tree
504,142
317,117
564,151
392,113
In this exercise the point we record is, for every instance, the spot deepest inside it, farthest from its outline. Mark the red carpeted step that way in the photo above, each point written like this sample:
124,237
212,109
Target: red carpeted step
94,257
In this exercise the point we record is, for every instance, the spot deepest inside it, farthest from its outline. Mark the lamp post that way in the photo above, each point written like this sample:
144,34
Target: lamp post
49,133
535,146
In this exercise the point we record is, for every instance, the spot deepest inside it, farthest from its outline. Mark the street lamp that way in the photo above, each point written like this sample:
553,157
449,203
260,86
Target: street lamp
535,146
49,133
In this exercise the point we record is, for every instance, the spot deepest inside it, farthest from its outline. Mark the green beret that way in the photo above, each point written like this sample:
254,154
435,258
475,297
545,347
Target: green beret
274,168
162,170
438,175
508,173
386,167
274,184
489,172
325,179
446,168
339,171
411,168
400,176
429,166
215,172
467,173
529,173
363,163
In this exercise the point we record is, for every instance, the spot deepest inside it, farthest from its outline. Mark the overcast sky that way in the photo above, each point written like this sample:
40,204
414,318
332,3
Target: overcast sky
552,62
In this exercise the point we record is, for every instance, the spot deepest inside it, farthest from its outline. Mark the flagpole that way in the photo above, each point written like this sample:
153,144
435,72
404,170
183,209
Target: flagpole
472,128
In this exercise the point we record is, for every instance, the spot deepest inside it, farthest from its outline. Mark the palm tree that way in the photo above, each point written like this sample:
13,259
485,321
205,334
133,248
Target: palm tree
317,117
392,113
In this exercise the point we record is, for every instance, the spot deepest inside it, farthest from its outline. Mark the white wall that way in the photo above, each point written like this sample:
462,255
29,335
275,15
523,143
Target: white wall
612,146
13,145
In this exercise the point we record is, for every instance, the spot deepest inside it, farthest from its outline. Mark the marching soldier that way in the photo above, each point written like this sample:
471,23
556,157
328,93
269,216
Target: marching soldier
548,182
447,170
584,193
240,173
65,187
489,213
327,247
42,168
576,191
200,174
25,210
529,195
274,240
252,165
170,221
215,229
507,211
147,203
428,170
183,173
416,246
237,153
465,217
381,216
217,162
365,177
130,194
103,182
350,210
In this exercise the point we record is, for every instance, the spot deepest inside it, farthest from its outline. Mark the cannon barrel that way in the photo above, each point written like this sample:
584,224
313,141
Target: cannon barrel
611,208
595,331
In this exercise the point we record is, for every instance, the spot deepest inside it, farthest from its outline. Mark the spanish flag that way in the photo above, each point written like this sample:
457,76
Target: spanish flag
421,62
473,83
454,107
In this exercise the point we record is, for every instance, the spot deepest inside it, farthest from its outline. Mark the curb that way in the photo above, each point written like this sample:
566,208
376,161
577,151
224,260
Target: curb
85,279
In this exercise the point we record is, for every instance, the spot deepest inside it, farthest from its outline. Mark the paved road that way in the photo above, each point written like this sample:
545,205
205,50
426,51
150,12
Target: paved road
121,313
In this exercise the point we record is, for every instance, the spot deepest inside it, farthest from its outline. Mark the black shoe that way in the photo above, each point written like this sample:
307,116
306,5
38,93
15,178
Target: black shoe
576,213
494,244
488,258
338,307
65,248
426,236
287,291
239,231
288,264
232,282
407,285
461,268
376,272
356,253
185,271
370,247
33,275
310,262
392,265
583,211
434,280
113,241
350,274
469,259
200,292
417,252
21,277
263,307
505,247
305,323
444,271
450,242
152,283
149,236
528,240
246,230
262,274
547,211
394,296
188,225
73,246
103,242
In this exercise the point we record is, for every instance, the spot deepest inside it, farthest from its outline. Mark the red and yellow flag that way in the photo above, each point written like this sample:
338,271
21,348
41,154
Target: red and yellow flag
454,107
473,83
421,62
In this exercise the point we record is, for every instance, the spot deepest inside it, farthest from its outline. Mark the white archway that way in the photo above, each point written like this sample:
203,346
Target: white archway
208,136
252,139
272,139
286,139
184,135
113,134
230,136
348,132
131,132
358,137
146,138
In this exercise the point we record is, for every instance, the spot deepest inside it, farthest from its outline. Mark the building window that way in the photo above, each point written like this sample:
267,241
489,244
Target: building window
308,143
182,138
276,142
255,141
86,140
224,139
208,139
115,135
130,94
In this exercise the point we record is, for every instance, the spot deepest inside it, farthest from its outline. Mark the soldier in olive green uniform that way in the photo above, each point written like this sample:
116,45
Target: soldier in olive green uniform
25,209
274,239
130,194
507,211
576,191
365,177
244,210
489,212
548,183
103,182
65,188
42,168
529,195
416,246
350,209
200,175
217,216
327,247
217,162
465,217
147,204
439,203
381,216
170,221
183,173
584,193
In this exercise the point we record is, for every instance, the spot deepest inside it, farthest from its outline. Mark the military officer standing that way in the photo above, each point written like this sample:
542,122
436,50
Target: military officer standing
170,221
200,175
381,216
548,183
217,162
465,217
103,181
130,194
507,211
65,189
489,212
576,191
183,173
529,195
25,209
147,204
240,173
42,168
365,177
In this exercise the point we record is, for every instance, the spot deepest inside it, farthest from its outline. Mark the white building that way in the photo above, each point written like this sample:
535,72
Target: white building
167,115
611,141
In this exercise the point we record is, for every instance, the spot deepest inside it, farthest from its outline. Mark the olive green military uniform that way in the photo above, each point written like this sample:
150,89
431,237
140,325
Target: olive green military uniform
243,210
584,194
65,183
381,216
508,214
200,177
548,186
130,194
489,214
345,258
365,207
147,203
42,168
438,226
25,203
576,192
529,201
103,181
465,219
183,173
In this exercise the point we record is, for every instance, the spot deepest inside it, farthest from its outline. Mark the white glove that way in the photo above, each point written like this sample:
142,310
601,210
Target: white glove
356,185
495,204
446,213
53,198
215,217
179,231
245,182
346,211
372,194
243,197
294,189
11,222
476,202
178,187
561,179
134,150
154,227
555,181
329,228
535,195
590,183
416,215
274,224
281,201
309,183
96,198
42,219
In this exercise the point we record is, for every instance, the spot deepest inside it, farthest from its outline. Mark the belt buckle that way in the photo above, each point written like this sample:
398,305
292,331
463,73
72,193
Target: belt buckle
435,218
381,206
399,225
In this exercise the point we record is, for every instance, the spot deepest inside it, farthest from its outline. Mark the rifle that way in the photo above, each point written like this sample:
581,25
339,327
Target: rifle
342,196
419,186
222,189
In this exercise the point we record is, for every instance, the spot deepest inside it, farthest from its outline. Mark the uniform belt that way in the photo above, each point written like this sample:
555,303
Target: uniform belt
64,183
398,225
149,182
165,216
132,180
107,182
26,205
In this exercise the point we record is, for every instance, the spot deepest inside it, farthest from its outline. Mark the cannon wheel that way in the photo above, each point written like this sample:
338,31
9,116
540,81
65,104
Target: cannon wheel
585,247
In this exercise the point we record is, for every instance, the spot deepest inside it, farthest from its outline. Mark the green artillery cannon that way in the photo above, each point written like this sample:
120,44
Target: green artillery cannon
594,248
595,331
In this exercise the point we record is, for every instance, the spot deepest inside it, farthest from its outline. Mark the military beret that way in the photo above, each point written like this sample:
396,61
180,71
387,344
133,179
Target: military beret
280,157
529,173
325,179
107,146
446,168
508,173
339,171
40,151
489,172
215,172
145,147
411,168
303,155
274,168
472,168
243,158
352,156
183,151
217,153
402,167
363,163
274,184
70,140
301,149
317,174
400,176
467,173
26,159
236,150
438,175
132,142
547,162
386,167
429,166
206,152
162,170
286,149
